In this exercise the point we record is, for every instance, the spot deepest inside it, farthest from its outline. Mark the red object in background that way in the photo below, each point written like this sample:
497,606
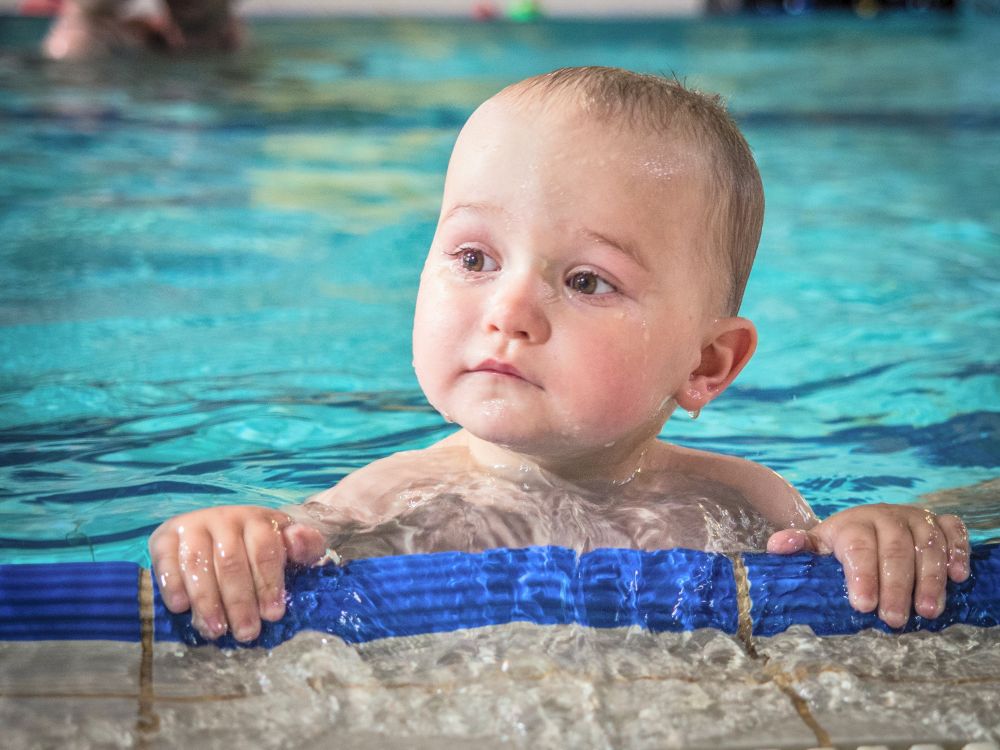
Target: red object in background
485,11
39,7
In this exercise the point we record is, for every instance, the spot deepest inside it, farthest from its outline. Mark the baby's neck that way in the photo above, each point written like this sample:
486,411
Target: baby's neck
600,472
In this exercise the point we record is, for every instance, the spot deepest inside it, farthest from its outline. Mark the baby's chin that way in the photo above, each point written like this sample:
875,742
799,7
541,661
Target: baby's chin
533,440
516,437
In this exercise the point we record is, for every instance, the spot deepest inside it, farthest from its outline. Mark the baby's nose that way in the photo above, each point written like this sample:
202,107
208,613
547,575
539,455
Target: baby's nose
517,309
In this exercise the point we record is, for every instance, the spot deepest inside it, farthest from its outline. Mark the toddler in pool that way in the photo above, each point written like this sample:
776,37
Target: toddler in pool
595,237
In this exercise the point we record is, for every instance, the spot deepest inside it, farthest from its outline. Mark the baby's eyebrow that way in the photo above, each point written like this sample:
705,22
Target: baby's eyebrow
625,248
474,207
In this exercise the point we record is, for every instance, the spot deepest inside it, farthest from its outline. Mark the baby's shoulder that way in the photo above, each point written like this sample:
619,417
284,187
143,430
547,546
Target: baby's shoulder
371,479
762,488
373,491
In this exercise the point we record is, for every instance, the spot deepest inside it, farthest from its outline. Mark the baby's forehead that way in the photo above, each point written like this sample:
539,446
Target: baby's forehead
567,123
578,124
558,140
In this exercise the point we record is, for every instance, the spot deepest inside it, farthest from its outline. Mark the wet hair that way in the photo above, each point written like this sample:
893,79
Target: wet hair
667,107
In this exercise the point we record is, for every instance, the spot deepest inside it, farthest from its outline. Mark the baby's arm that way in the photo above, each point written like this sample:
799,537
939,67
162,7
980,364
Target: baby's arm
892,555
227,565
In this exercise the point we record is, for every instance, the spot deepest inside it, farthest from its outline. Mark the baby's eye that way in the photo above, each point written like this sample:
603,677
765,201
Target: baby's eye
588,282
474,260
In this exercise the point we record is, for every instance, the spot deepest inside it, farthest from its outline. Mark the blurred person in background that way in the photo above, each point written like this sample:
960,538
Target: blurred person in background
94,28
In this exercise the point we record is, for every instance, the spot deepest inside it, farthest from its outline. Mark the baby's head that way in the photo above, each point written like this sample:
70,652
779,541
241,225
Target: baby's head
596,233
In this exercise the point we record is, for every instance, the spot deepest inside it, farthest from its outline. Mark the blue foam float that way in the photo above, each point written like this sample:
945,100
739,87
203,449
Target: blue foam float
661,591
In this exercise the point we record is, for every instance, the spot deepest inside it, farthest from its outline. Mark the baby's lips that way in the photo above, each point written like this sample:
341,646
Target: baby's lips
501,367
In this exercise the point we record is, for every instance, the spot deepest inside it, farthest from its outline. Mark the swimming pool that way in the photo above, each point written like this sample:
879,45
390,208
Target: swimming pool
208,270
209,267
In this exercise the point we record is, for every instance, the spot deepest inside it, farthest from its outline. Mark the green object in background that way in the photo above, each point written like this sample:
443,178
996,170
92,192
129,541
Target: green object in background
524,10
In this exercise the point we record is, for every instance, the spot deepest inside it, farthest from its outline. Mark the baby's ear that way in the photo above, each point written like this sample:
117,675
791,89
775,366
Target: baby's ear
729,346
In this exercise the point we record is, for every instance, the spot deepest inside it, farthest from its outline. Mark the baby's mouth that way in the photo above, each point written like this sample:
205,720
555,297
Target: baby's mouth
501,369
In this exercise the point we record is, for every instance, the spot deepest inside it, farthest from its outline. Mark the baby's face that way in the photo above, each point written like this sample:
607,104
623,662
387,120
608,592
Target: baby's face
562,304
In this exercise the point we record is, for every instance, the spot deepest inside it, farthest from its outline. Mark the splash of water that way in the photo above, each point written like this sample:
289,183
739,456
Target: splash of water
446,505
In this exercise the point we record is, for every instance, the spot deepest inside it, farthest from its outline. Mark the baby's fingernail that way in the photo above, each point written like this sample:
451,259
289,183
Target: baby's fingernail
892,617
210,627
863,602
245,633
275,610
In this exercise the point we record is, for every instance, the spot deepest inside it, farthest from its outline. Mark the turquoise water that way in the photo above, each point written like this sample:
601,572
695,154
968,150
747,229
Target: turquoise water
207,267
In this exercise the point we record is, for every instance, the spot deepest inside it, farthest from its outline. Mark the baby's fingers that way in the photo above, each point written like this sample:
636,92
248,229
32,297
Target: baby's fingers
930,543
896,566
236,584
202,588
856,547
789,541
266,552
305,545
167,569
957,536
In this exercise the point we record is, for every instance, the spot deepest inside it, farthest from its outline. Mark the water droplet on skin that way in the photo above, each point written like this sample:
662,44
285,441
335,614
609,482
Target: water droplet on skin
610,445
494,407
447,417
694,413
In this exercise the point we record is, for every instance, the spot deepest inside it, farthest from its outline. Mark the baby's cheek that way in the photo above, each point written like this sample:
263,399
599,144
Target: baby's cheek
621,392
434,346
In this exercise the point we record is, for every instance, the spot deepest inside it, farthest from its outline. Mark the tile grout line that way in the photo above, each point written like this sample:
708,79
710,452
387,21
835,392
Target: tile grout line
745,634
147,722
744,630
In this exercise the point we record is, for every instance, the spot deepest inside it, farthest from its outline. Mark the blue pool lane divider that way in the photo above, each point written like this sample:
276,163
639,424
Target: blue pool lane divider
374,598
664,590
806,589
70,601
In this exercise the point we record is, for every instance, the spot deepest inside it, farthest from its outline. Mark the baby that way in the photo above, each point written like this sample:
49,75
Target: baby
595,237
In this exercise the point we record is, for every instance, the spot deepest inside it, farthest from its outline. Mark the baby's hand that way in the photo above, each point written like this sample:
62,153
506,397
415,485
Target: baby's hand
891,554
227,565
